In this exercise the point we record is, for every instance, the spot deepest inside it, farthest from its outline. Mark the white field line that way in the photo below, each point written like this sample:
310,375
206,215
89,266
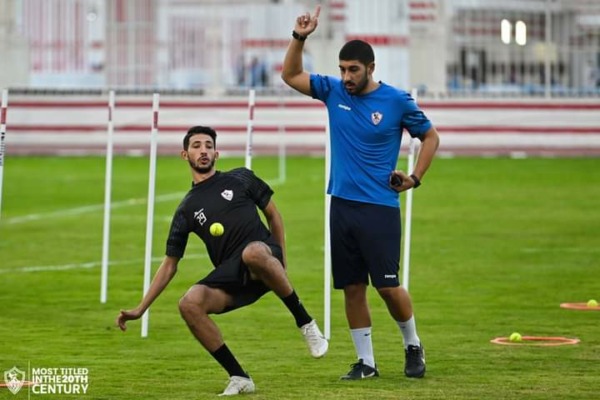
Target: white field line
99,207
91,208
560,249
87,265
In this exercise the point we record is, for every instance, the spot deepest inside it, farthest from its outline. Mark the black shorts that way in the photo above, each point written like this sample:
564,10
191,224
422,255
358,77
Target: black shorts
365,242
233,277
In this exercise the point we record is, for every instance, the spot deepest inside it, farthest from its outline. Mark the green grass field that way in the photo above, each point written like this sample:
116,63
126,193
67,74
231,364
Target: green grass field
498,244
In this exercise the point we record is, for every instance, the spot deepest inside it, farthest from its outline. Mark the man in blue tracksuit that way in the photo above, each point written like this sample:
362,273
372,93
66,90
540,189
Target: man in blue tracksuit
366,120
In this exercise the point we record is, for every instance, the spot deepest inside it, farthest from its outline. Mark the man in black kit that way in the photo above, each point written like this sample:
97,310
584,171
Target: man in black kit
249,259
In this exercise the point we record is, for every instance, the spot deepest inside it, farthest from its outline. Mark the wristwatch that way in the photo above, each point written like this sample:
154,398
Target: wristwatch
416,180
298,36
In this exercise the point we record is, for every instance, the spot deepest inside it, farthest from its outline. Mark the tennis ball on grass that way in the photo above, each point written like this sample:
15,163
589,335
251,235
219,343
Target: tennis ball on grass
515,337
592,303
216,229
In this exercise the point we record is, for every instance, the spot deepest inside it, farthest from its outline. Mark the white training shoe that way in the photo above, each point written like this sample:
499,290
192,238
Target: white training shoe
238,385
316,342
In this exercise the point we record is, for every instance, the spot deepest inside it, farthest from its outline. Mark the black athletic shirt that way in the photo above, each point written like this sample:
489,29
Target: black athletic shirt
229,198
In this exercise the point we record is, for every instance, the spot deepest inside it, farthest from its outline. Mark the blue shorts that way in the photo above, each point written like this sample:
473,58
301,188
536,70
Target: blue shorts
365,243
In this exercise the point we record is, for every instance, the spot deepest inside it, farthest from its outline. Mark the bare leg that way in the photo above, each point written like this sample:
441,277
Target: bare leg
399,305
398,302
357,308
195,305
265,267
359,321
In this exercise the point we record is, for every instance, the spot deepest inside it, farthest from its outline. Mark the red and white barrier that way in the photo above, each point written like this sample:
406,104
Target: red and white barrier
59,125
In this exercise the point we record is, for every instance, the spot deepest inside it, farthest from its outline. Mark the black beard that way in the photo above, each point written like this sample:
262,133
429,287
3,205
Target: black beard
202,170
359,87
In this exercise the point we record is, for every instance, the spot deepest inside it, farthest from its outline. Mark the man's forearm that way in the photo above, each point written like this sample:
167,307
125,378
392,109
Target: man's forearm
429,147
161,279
292,63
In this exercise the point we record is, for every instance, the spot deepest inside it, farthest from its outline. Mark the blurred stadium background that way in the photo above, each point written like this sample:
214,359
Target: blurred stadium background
512,77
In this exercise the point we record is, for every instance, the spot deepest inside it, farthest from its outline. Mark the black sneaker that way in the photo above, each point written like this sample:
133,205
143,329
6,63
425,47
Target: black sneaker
360,371
414,366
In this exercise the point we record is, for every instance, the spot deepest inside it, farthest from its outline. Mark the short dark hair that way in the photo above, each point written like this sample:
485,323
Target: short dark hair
195,130
357,50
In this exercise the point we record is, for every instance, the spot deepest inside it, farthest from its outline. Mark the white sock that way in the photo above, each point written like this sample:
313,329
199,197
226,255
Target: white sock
363,345
409,332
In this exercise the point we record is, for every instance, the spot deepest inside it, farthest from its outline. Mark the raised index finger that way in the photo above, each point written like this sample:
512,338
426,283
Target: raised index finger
317,11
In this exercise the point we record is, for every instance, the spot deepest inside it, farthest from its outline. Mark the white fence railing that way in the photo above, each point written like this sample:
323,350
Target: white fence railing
77,125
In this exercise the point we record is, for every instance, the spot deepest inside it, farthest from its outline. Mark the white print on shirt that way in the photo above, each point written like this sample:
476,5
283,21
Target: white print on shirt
199,215
227,194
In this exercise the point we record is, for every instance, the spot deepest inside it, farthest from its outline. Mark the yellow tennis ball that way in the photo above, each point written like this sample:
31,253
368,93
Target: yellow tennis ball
592,303
217,229
515,337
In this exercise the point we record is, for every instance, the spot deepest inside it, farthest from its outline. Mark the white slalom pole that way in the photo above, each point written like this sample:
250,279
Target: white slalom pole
107,197
282,149
250,130
150,214
2,135
327,258
408,208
